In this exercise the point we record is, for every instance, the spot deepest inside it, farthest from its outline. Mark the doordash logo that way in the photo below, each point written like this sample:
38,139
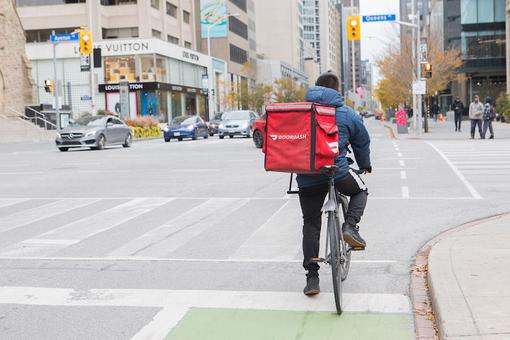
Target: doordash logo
288,137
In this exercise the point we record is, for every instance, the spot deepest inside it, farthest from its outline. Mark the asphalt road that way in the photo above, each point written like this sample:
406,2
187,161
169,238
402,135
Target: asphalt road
136,242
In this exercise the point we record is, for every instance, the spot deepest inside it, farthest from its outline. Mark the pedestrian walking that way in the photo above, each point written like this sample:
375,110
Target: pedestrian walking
476,110
434,109
489,114
458,109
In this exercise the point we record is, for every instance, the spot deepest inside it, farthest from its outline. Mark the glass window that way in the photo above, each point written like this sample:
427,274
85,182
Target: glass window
117,2
161,73
156,34
484,44
147,68
175,72
125,32
186,17
468,10
155,4
171,10
499,11
187,44
173,40
176,104
120,68
485,11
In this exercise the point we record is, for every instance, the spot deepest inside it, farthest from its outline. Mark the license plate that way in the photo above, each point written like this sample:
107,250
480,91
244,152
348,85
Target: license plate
177,134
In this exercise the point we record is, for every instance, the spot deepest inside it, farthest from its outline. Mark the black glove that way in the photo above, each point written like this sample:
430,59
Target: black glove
369,169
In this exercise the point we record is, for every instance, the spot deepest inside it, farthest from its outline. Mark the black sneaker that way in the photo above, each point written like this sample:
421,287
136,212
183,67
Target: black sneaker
312,286
352,237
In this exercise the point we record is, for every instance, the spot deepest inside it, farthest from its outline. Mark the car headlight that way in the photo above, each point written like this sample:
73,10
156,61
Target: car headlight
244,126
58,135
190,127
166,129
221,126
90,133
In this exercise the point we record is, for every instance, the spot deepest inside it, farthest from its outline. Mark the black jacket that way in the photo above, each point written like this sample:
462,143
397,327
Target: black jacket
458,107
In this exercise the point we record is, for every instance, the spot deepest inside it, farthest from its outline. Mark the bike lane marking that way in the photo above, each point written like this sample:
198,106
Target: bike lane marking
176,303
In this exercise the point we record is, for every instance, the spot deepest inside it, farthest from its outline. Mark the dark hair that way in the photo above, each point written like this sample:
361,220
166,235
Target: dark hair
328,79
488,100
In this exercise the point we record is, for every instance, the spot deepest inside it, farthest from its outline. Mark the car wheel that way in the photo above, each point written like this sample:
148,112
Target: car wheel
128,141
101,142
257,139
211,134
248,135
221,137
194,135
206,136
231,136
63,149
167,140
179,139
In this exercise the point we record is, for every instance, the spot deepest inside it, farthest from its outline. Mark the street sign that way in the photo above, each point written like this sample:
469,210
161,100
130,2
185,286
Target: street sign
419,87
85,63
57,38
124,99
85,98
423,52
379,17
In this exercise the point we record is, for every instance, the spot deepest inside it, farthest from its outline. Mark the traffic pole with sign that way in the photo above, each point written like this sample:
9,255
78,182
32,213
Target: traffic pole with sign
55,84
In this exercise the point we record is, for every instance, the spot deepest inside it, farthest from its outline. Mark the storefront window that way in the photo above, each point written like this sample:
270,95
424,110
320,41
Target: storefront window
149,103
163,106
175,71
176,104
191,104
147,68
120,69
161,73
484,44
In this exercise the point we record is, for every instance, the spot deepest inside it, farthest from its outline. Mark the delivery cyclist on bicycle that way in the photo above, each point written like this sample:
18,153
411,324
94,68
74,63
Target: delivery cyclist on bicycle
314,188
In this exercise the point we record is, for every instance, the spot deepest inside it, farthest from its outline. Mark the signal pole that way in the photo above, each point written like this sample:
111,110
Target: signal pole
353,54
91,59
55,84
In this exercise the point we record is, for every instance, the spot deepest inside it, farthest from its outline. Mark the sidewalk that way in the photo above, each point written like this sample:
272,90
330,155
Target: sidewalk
446,130
469,281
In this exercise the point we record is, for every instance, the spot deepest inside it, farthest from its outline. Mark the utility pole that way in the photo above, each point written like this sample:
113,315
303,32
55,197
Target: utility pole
55,84
353,54
91,59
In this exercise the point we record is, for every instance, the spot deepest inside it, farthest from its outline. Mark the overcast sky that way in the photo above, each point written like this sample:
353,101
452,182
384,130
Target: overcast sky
376,36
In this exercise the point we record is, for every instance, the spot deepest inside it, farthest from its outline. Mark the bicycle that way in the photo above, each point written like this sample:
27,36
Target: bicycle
339,254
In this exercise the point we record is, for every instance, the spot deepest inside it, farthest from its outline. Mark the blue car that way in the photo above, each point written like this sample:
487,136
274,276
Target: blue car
186,127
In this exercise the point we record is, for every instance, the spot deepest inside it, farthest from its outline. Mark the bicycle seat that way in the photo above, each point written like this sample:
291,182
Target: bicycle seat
330,169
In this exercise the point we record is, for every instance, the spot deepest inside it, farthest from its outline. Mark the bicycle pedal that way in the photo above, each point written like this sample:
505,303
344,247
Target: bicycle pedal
317,260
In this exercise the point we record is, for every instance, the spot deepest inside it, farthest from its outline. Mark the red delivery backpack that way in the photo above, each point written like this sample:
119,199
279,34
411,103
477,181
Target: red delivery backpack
300,137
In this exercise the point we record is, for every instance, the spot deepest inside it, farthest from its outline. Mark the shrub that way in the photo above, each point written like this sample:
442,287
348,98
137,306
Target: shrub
142,122
146,131
105,113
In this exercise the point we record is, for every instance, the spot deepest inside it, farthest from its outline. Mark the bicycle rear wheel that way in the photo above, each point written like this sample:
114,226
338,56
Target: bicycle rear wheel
335,259
344,247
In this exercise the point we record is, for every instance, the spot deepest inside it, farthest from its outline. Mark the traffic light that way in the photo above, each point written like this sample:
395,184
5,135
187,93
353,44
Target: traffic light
48,86
85,42
427,70
353,27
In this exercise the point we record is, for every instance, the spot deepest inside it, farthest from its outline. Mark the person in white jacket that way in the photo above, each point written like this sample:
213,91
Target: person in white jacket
475,115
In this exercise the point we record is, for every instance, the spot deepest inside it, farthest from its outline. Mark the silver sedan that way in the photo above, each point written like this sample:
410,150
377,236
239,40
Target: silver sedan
97,133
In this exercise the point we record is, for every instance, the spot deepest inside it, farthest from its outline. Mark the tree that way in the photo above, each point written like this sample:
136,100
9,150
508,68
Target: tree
287,90
259,96
397,67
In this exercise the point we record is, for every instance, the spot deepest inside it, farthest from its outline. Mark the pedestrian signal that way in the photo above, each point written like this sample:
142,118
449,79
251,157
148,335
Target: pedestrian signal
85,42
48,86
426,70
353,27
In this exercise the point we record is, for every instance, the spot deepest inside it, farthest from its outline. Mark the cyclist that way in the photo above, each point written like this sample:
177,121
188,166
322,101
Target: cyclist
314,188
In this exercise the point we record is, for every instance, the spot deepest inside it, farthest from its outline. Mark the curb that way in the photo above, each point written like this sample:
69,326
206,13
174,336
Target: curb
427,319
146,139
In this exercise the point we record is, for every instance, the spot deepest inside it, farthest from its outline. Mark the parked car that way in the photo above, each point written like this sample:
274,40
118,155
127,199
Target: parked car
236,123
214,124
258,129
186,127
97,132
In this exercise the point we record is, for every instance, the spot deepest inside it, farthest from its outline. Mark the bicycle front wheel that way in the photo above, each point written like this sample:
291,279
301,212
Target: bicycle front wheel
335,259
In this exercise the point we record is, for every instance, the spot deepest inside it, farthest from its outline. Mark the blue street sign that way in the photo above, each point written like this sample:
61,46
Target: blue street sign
380,17
85,98
55,38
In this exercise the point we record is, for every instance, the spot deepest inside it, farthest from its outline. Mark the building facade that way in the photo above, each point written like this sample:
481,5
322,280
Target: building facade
320,25
170,20
16,83
477,29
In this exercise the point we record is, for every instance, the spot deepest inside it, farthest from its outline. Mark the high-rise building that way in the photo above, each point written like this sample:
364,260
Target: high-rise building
477,29
231,28
320,19
348,64
170,20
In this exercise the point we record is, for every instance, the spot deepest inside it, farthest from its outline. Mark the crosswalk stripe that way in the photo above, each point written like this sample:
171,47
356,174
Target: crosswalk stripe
8,202
168,237
42,212
279,238
84,228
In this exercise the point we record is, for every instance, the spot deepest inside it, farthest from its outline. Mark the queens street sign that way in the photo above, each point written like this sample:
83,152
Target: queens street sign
379,17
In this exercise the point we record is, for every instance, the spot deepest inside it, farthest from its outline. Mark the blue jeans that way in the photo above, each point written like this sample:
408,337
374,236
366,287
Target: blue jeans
474,123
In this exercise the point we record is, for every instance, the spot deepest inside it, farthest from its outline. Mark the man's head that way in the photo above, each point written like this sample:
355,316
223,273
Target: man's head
477,99
329,80
488,100
457,99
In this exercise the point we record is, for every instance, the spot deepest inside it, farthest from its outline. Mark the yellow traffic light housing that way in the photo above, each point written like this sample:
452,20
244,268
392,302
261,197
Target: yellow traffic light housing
86,42
426,70
48,86
353,27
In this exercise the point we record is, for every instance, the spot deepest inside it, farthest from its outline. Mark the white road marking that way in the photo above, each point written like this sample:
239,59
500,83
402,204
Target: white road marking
86,227
456,171
8,202
21,173
402,163
176,299
42,212
400,155
42,241
403,174
162,323
405,192
159,259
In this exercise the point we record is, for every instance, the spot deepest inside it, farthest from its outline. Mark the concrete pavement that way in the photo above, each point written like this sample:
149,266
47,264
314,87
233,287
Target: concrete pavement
469,281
